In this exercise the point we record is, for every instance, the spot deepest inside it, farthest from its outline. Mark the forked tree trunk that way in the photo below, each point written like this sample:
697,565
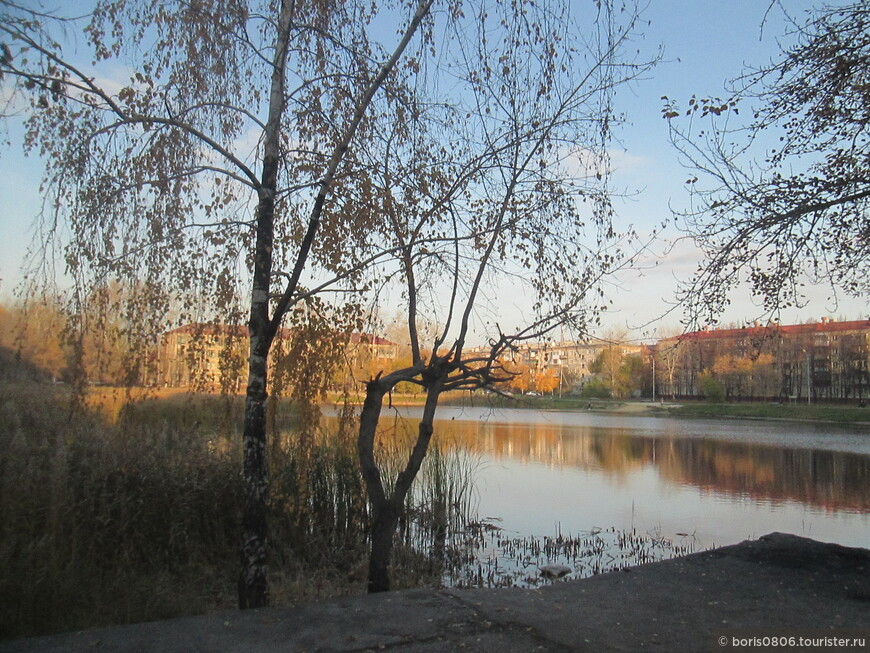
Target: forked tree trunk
387,508
383,529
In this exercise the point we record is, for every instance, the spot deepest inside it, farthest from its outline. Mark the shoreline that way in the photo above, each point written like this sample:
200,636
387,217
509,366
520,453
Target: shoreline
757,411
779,585
847,415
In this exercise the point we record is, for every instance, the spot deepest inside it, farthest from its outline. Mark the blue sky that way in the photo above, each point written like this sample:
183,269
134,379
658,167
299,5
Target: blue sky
705,43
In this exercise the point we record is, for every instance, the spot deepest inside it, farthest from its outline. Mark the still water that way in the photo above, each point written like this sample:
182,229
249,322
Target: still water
716,482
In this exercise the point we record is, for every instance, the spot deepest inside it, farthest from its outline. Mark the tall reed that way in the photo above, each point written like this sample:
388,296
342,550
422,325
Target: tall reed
103,523
438,510
441,502
134,514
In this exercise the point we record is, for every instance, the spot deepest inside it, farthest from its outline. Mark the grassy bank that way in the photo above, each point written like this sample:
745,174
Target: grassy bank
120,513
812,413
846,414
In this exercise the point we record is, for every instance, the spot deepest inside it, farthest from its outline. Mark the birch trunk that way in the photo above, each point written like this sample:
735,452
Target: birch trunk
253,580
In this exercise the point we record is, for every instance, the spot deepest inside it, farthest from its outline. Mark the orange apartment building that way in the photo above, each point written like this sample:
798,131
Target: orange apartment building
211,357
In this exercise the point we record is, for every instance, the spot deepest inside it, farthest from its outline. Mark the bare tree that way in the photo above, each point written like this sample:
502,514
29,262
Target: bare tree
513,192
783,196
669,353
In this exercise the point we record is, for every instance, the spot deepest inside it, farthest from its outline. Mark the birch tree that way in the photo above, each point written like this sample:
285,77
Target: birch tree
193,147
276,152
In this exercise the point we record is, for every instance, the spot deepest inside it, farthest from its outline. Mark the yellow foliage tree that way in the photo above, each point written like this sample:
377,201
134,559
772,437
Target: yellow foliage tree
546,380
522,379
34,333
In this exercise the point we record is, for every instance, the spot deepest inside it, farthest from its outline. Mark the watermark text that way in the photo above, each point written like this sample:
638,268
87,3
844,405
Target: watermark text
846,639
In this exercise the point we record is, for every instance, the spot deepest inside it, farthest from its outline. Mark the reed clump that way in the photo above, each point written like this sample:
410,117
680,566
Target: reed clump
105,523
133,514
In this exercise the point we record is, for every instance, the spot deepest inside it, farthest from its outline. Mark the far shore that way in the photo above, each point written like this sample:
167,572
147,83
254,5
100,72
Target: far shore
791,411
853,414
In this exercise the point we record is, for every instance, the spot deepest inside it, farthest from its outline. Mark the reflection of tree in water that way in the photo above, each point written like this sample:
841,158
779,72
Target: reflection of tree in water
583,447
828,479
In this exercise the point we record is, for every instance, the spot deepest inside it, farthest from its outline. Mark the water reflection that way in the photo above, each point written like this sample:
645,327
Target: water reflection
831,480
722,481
835,481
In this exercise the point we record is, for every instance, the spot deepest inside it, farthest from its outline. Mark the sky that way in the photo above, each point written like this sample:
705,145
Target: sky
704,44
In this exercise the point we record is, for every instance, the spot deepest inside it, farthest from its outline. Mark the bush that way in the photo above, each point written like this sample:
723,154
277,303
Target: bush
711,388
595,389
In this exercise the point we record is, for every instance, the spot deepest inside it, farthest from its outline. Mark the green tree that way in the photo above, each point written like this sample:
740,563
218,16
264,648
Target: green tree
624,374
711,388
607,365
595,389
784,195
635,374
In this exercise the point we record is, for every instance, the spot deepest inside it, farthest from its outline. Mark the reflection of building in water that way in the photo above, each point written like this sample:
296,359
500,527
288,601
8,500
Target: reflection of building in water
827,360
582,447
213,356
830,480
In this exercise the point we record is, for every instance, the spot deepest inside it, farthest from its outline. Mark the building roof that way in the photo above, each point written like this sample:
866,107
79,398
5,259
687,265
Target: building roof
369,339
826,325
205,329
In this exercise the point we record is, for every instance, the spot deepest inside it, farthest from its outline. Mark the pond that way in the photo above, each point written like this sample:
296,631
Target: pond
691,484
723,481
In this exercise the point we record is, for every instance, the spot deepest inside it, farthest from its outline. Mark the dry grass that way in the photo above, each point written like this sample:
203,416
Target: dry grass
109,523
132,513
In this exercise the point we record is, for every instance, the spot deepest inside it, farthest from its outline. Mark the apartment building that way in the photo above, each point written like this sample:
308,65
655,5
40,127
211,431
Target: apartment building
827,360
570,361
210,357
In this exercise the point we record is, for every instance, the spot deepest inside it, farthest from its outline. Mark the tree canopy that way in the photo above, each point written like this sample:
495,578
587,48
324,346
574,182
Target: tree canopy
297,162
196,168
781,167
503,182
